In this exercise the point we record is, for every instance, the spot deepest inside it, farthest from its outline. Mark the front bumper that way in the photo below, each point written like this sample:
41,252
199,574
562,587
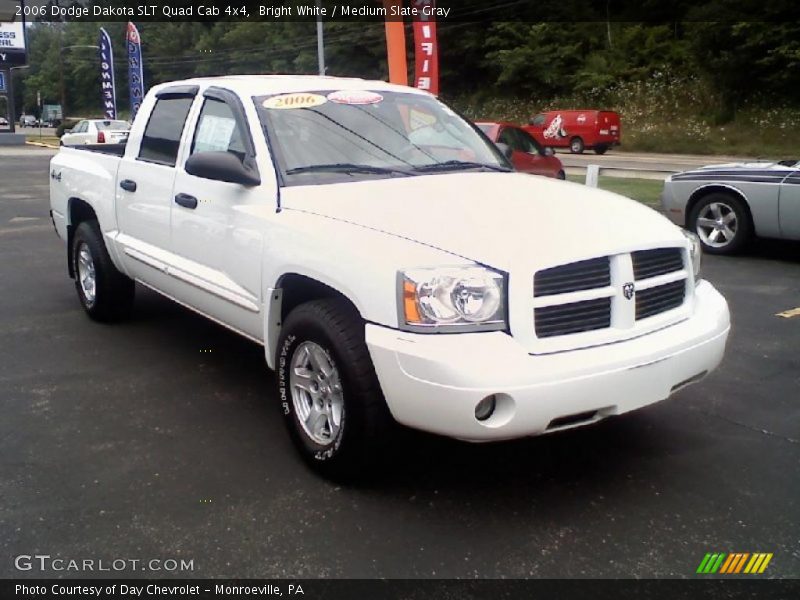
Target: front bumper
434,382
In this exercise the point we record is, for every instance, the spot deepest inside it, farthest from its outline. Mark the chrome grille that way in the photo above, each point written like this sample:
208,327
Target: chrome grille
575,317
574,277
660,299
652,263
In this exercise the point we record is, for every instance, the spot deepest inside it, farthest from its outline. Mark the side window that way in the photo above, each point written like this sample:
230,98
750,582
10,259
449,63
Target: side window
538,120
81,127
510,137
218,131
162,135
529,144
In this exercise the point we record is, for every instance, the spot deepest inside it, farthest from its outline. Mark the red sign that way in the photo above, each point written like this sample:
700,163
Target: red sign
426,48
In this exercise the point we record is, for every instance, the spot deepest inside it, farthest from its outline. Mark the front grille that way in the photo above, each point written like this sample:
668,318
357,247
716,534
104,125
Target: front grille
574,277
575,317
659,299
652,263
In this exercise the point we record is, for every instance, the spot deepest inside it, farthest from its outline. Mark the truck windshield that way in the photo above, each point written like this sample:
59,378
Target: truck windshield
328,136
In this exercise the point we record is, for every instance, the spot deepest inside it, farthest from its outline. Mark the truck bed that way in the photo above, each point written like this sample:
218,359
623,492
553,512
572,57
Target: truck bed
113,149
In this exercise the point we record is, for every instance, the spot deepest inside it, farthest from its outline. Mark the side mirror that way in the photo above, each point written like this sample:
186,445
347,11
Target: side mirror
505,149
549,151
221,166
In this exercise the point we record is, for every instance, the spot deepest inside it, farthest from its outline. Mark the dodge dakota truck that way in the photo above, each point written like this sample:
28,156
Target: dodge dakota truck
389,260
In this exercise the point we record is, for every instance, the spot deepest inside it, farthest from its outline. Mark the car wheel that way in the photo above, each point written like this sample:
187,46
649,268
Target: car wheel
561,175
105,294
576,145
602,149
328,391
722,222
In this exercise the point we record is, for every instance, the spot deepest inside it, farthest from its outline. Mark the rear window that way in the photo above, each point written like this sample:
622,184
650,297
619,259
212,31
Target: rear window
163,133
112,125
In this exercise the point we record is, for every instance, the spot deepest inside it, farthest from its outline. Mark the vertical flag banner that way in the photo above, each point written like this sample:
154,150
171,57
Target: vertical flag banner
135,75
426,49
108,87
396,43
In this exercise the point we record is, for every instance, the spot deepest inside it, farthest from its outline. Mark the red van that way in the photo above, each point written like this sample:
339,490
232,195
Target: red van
577,129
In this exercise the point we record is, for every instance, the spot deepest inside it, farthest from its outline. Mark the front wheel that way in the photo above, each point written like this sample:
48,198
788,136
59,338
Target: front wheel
722,223
105,293
576,145
328,391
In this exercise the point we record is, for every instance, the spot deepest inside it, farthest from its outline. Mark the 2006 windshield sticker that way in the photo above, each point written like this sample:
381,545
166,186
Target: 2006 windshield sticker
358,97
294,101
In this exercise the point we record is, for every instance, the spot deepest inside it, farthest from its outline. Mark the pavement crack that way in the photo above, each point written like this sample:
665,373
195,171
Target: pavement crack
750,427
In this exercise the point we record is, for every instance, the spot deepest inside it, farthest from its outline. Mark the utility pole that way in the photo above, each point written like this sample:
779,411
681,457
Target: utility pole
320,40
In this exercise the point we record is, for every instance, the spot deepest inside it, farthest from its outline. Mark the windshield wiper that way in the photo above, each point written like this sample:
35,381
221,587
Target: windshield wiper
347,168
457,165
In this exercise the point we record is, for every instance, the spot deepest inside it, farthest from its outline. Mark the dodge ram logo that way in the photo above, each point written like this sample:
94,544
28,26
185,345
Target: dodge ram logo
629,290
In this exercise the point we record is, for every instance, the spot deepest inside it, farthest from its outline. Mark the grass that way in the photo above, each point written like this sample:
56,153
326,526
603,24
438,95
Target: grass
646,191
45,139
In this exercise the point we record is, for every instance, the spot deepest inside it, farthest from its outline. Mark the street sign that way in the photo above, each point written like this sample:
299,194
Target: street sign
2,83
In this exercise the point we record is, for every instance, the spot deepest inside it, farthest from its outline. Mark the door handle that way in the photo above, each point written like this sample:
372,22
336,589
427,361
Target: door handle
186,201
128,185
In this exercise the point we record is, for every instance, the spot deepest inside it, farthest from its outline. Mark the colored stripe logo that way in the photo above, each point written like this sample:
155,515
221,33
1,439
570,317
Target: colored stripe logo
735,563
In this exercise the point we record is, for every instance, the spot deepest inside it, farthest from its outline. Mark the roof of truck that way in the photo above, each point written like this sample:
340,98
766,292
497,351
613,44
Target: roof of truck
261,85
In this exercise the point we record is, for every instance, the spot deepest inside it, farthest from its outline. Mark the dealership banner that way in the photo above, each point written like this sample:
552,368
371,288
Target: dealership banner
135,72
108,87
426,47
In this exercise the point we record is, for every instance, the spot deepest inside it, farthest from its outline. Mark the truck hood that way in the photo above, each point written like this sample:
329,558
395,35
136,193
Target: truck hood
501,220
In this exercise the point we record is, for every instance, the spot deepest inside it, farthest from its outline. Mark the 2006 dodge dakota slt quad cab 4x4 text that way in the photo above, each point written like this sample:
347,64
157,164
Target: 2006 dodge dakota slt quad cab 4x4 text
389,261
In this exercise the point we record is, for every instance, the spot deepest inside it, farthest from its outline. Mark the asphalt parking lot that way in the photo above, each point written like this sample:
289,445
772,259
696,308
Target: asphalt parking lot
161,438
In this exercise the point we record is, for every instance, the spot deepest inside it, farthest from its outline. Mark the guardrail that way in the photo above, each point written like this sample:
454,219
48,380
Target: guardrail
593,173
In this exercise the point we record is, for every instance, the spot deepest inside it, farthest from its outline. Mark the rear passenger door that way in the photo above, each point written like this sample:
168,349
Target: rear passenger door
144,186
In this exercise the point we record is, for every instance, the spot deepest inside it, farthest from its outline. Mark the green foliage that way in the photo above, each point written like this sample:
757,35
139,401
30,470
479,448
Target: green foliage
695,75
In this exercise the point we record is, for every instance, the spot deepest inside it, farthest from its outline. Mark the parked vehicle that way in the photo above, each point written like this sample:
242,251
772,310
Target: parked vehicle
577,129
526,154
96,131
728,205
3,122
389,260
28,121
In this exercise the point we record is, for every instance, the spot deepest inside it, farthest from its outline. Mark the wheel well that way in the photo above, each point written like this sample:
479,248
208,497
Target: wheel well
78,211
698,195
299,289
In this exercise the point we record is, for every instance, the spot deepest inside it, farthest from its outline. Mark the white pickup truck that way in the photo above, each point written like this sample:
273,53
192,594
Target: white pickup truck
393,267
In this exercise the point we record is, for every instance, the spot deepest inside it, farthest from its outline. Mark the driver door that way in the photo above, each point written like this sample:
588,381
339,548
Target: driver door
789,207
217,235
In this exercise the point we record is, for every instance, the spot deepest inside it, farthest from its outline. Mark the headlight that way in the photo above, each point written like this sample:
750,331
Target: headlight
695,252
451,299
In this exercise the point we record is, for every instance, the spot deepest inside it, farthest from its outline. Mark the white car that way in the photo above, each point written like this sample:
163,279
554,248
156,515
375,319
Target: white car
389,261
3,122
96,131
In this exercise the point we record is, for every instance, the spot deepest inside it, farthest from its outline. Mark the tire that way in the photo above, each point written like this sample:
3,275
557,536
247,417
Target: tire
561,175
712,212
105,294
324,341
601,149
576,145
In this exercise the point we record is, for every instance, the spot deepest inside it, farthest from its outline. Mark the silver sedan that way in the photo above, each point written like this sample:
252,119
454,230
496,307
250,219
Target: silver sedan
727,205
